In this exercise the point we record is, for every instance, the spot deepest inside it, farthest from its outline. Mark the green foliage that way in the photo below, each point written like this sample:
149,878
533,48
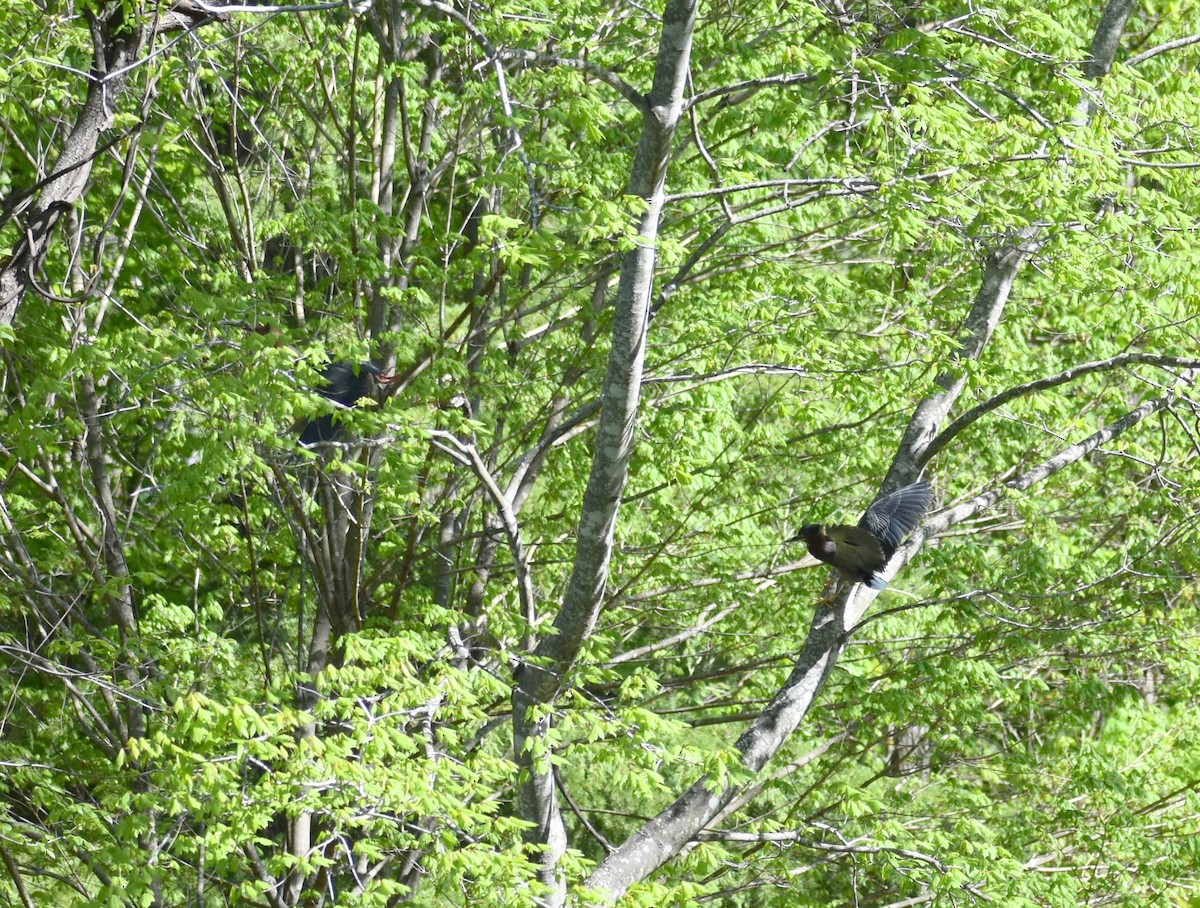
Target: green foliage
315,696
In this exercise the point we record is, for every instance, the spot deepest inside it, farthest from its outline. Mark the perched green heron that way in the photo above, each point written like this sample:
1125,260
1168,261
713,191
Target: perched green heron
860,553
345,384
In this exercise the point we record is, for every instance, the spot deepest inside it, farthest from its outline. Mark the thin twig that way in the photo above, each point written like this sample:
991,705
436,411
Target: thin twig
466,454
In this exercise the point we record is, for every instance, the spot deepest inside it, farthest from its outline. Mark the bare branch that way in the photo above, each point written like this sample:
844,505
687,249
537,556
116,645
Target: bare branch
999,274
466,454
1162,49
627,91
557,435
857,184
750,85
707,620
945,519
14,874
269,8
1042,384
798,838
599,73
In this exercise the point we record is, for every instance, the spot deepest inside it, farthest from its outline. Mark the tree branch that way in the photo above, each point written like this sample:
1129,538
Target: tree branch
112,544
14,874
599,73
943,520
798,838
1162,49
1042,384
1000,271
468,455
750,85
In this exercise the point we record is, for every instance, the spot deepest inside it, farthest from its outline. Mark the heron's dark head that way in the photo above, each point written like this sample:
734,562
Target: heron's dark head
369,368
810,532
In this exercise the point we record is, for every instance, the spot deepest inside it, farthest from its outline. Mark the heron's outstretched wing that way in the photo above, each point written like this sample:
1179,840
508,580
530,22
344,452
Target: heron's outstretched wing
894,516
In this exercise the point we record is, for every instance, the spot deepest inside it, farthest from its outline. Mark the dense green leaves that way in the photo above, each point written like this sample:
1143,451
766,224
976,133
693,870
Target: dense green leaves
313,700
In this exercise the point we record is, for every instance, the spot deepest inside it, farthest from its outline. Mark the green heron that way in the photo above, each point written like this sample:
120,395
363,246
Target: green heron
860,553
345,384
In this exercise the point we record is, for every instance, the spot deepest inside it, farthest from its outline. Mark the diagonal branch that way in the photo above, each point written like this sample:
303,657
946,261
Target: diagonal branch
468,456
1000,271
751,86
599,73
1162,49
663,836
943,520
1050,381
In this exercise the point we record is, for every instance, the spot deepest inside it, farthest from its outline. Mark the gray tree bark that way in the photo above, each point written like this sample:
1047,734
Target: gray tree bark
542,678
118,44
661,838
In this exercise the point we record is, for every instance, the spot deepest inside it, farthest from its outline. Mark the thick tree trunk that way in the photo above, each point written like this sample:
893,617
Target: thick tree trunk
542,678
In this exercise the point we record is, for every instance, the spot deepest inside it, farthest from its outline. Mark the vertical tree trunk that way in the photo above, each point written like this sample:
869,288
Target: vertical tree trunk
541,680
